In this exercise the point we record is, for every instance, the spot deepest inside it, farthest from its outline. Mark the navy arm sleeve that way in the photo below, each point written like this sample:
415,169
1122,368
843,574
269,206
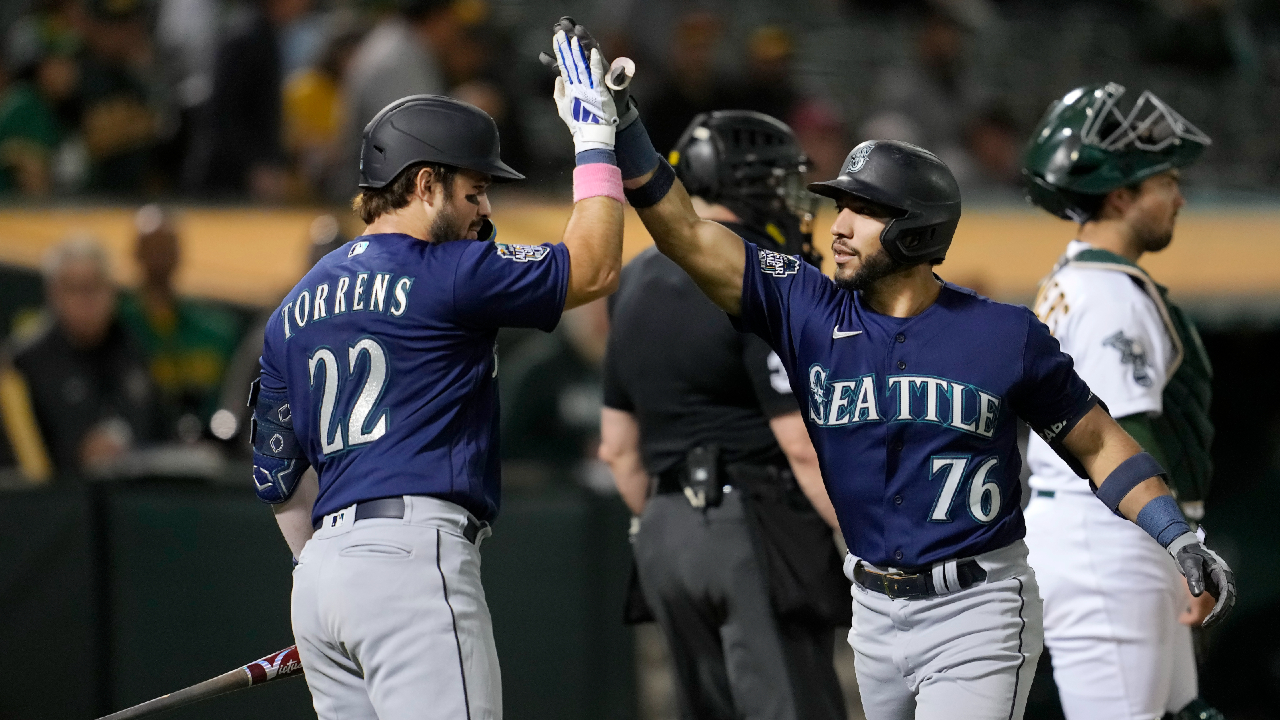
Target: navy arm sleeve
1051,397
500,285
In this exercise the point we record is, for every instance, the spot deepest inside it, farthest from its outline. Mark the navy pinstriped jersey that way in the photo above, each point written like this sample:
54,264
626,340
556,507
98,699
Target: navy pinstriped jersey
914,419
387,349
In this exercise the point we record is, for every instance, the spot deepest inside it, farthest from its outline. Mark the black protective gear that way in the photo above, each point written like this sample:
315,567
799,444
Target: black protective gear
1205,571
433,129
914,184
752,164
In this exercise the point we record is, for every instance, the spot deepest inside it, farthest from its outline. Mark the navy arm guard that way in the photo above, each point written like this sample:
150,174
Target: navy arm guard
278,460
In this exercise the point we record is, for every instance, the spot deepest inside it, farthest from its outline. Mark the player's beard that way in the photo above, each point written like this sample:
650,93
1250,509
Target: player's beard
446,227
1155,239
875,267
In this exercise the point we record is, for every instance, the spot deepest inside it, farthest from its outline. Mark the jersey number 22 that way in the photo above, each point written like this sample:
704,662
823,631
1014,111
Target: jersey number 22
324,368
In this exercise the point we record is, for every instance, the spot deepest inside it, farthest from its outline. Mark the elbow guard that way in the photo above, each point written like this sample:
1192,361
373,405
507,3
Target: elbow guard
278,460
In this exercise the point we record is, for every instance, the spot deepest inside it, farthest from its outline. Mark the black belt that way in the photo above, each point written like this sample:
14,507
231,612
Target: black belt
393,507
914,586
673,479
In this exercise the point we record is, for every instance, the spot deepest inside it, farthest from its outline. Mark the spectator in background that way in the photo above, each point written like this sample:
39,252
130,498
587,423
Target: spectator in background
994,144
552,395
928,101
313,108
401,55
44,79
691,85
186,344
238,149
118,122
186,40
90,391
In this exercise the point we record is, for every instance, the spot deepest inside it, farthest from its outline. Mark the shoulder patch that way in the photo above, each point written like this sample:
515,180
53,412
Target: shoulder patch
522,253
777,264
358,248
1132,352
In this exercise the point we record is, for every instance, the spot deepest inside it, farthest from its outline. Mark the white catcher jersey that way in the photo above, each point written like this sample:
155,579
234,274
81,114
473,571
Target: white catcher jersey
1121,346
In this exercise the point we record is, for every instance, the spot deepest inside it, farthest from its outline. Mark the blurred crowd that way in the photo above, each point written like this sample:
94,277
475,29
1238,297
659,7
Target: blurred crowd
263,100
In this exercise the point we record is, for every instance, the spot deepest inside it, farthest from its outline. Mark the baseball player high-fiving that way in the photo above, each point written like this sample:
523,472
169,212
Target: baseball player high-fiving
912,390
1112,599
379,370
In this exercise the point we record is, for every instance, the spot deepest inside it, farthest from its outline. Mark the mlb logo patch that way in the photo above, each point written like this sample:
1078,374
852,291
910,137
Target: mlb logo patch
777,264
358,248
522,253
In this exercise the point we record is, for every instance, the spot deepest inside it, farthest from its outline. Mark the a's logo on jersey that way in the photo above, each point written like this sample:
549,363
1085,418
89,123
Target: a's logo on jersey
859,157
522,253
1132,352
777,264
358,248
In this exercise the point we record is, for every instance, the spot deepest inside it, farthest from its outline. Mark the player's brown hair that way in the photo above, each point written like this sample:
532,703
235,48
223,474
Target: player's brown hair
373,203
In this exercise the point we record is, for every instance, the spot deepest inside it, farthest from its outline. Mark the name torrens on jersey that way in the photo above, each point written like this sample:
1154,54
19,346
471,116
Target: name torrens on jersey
314,305
915,398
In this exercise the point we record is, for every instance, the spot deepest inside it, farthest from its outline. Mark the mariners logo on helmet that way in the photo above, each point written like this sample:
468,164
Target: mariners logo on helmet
777,264
859,156
522,253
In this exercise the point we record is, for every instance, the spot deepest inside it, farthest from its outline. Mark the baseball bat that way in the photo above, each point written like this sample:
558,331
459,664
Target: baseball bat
275,666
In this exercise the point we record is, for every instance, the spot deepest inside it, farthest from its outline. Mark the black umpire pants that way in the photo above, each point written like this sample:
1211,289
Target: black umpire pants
734,659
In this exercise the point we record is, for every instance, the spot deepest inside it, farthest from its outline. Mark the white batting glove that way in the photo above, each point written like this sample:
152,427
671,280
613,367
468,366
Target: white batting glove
584,101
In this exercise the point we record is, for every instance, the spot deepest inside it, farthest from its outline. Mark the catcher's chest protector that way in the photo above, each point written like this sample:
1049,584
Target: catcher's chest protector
1184,429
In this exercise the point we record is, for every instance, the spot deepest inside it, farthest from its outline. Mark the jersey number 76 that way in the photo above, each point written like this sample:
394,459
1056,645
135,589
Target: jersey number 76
323,365
984,494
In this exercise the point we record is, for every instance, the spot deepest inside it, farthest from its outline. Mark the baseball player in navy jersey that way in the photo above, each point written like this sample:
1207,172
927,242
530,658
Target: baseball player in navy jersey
1117,614
379,372
912,389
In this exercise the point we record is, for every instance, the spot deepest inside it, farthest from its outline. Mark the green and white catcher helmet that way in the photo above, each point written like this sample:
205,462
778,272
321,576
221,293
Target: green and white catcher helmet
1087,145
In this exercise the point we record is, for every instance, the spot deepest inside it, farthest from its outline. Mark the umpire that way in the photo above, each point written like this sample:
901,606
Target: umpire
707,446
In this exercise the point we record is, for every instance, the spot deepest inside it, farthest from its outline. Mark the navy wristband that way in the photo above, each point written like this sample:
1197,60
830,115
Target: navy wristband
636,155
596,155
1126,477
652,192
1162,520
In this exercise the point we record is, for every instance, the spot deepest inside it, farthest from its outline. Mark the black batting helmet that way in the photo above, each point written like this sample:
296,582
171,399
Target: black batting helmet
910,181
752,164
430,128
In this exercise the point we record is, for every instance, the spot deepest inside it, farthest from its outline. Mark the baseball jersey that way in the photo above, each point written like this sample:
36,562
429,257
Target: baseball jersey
676,362
387,349
1113,330
914,419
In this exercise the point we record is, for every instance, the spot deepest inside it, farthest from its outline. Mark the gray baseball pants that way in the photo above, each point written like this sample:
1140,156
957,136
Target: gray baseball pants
969,655
391,620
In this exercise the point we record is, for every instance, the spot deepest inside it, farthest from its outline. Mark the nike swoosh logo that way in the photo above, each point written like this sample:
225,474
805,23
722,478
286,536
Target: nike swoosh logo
836,334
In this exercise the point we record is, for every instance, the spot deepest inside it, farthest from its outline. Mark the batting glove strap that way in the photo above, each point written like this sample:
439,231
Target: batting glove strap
1205,571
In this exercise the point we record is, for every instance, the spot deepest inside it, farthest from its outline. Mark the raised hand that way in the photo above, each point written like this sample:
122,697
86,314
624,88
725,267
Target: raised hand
584,101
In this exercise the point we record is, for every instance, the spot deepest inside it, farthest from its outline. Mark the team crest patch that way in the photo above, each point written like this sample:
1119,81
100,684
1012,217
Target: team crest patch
858,157
777,264
358,248
1132,352
522,253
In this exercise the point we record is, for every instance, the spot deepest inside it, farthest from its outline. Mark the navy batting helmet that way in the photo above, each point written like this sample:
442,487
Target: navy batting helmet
914,184
430,128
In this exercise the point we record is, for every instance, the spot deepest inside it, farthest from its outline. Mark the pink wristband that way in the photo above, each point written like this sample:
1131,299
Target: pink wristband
596,179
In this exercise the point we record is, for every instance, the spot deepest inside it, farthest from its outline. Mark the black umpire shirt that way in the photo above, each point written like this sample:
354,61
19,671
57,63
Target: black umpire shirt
677,364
